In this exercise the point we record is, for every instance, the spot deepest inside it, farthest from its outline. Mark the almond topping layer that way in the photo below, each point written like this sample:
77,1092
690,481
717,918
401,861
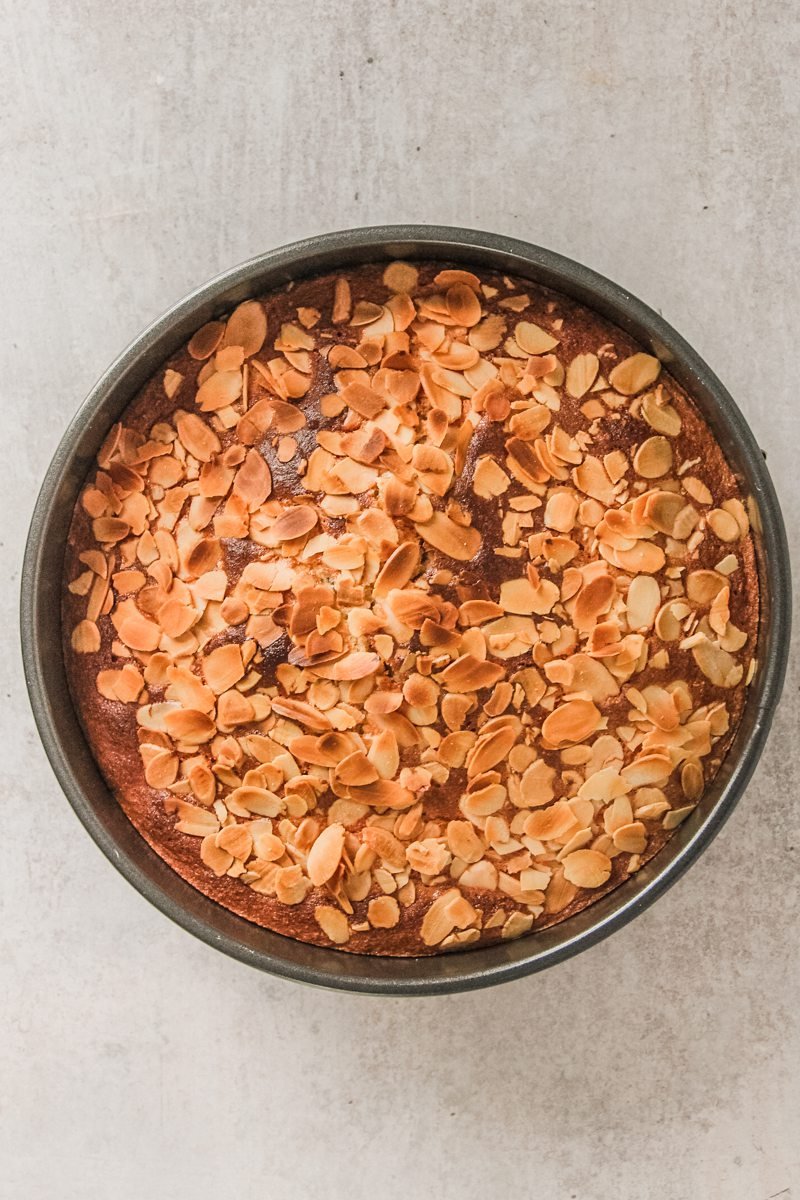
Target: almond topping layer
428,600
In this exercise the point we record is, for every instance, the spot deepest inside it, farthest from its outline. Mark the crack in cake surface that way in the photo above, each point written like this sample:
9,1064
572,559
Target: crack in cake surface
409,608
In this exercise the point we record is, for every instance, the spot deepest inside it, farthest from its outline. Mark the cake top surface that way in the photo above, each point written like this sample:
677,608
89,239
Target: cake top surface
409,607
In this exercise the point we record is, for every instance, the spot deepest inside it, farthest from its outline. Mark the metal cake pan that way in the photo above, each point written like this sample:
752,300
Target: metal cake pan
66,745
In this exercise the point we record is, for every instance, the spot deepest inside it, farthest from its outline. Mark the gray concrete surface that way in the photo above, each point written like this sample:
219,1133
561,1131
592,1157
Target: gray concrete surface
147,146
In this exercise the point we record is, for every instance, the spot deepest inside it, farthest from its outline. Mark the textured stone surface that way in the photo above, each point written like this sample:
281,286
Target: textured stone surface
147,146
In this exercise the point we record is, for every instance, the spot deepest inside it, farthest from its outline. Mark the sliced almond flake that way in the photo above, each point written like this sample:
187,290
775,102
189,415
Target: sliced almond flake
581,374
172,382
401,277
488,334
333,923
451,276
196,436
461,542
463,305
383,912
653,459
341,301
571,722
724,525
660,415
532,339
325,854
85,638
634,374
295,522
587,868
676,816
247,327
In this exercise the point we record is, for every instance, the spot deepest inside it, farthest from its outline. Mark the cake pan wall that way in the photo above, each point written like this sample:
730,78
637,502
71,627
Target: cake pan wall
63,737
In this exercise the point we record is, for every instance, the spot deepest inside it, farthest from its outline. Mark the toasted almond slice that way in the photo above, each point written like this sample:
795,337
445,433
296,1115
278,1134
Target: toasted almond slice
483,801
85,638
189,726
593,479
702,586
661,416
386,793
489,750
325,854
664,511
561,510
692,780
296,522
536,785
718,666
571,722
385,845
172,381
520,596
253,481
401,277
634,374
357,665
247,327
528,423
547,824
365,312
643,601
464,842
488,334
196,436
644,557
737,510
647,770
587,868
135,630
219,390
533,339
677,816
214,857
258,800
356,770
237,840
398,570
724,525
333,923
581,374
383,912
291,885
470,674
632,838
559,893
110,529
653,458
452,275
461,542
205,341
448,911
593,601
174,617
223,667
197,822
463,304
162,769
341,301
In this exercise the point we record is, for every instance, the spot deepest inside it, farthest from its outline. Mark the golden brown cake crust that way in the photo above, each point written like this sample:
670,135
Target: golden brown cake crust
544,384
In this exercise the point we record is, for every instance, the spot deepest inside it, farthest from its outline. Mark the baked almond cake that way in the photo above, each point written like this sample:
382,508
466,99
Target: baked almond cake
409,608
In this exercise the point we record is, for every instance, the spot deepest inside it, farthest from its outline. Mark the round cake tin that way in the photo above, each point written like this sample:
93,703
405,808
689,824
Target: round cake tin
66,745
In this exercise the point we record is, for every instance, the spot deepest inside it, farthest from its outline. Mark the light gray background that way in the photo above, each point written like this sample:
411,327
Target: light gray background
148,145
